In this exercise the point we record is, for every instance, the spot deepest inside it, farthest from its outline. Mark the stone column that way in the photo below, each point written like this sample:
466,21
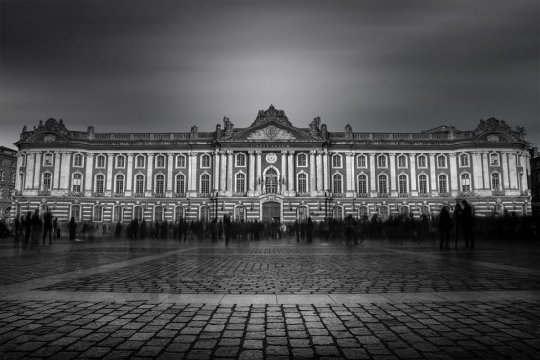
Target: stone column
216,169
372,176
485,168
110,163
393,187
129,175
349,174
29,177
64,172
319,173
223,173
88,175
230,176
37,172
56,175
525,163
150,172
194,176
17,173
292,177
283,181
312,175
258,177
506,179
512,167
170,166
325,170
433,175
478,183
251,173
412,166
453,174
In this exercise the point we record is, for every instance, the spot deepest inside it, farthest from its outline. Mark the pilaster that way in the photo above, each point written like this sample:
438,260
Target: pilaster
88,175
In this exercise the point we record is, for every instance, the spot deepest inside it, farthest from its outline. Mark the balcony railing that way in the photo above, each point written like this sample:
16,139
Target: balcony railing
203,195
383,195
158,194
497,192
44,193
362,195
444,194
138,194
239,194
118,194
404,194
338,195
303,194
179,195
465,194
98,194
75,193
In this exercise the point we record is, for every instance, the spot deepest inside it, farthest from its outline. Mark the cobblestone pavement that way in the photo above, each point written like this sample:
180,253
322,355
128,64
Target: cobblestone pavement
268,300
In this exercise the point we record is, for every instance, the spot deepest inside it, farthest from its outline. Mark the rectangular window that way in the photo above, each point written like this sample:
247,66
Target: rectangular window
422,184
100,180
302,183
361,162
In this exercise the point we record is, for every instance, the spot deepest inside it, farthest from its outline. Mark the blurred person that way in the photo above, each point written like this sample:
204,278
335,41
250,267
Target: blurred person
47,226
445,225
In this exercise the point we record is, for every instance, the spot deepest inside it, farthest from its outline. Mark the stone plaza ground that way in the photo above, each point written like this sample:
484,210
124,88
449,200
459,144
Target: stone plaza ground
114,299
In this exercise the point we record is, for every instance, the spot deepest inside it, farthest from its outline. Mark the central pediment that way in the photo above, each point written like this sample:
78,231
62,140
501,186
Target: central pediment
271,133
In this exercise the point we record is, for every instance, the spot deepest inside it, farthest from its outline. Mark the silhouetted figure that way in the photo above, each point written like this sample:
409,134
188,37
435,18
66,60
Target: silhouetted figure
309,230
72,228
118,230
458,214
143,229
227,227
56,229
47,227
27,224
467,224
135,229
445,225
214,229
18,226
297,231
349,227
36,227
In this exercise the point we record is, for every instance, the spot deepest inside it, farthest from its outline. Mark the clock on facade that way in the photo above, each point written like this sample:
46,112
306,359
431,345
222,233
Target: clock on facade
271,158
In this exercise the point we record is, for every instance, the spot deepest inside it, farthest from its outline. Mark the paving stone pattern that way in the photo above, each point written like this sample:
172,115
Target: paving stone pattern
301,274
66,330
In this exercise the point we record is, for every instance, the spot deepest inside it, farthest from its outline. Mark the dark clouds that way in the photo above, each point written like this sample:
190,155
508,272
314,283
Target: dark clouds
163,66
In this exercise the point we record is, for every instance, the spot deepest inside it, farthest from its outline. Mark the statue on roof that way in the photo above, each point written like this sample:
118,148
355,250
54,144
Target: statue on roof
194,133
271,114
228,126
493,124
348,131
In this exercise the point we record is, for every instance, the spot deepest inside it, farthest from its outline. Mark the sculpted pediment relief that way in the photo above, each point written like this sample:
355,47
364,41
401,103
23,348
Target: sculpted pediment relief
271,133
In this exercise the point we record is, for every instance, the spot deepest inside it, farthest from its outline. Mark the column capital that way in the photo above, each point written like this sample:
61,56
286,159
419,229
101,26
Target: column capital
312,152
258,152
251,152
284,152
349,154
452,155
229,152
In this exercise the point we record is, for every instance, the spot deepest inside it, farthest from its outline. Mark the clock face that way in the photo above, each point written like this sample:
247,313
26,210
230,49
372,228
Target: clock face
271,158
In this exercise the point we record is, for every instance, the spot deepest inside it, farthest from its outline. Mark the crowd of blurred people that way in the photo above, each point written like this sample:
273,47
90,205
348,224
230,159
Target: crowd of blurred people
451,228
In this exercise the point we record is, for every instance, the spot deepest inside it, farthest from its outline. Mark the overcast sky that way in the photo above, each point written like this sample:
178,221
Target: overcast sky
160,66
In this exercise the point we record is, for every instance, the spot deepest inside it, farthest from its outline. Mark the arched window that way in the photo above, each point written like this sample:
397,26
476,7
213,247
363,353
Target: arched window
240,183
181,161
180,184
178,213
363,212
47,181
98,213
384,212
337,182
465,182
301,160
336,160
240,160
139,163
464,160
240,213
362,184
100,183
302,183
75,212
120,161
495,181
138,213
422,184
100,162
271,181
302,213
361,161
205,161
119,184
205,184
160,161
159,187
422,162
402,161
204,214
494,159
443,184
48,159
76,182
381,161
383,184
338,212
403,184
78,160
139,184
117,213
441,161
158,213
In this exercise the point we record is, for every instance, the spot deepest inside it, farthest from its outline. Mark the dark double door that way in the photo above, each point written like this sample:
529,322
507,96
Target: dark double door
271,211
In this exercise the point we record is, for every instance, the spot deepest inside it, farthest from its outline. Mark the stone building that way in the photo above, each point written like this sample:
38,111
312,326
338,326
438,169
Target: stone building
8,159
270,170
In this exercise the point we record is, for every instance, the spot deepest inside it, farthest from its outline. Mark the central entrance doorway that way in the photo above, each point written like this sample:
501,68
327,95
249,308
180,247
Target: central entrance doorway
271,210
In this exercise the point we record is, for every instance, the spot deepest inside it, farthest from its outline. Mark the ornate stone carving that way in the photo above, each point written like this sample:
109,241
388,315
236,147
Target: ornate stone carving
271,133
493,124
272,114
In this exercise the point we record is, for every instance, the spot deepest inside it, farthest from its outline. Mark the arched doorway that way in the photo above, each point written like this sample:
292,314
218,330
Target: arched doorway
271,210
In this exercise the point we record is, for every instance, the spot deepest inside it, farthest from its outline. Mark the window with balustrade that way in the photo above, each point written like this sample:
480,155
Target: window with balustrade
76,182
159,184
383,184
47,181
205,184
139,184
180,184
119,184
302,183
443,184
465,182
240,183
422,184
100,183
271,181
403,184
495,181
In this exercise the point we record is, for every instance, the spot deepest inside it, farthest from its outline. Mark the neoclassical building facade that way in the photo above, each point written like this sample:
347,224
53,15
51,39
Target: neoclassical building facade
268,171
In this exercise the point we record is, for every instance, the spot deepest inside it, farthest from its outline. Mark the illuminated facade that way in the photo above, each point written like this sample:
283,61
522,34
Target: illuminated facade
269,170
